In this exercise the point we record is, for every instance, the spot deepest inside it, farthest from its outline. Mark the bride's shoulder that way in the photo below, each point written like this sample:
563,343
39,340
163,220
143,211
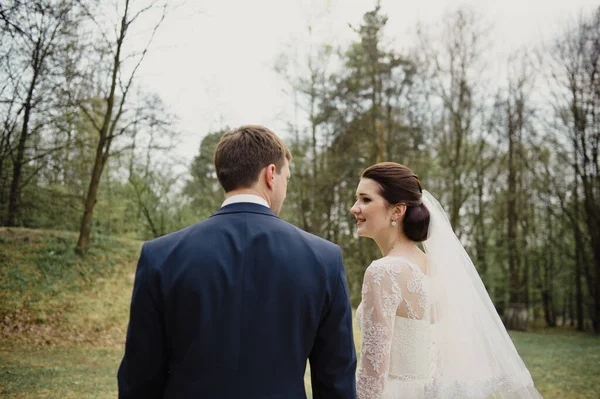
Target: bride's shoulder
387,271
396,265
387,265
394,261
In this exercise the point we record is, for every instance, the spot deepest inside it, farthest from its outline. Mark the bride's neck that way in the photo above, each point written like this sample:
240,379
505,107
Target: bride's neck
394,245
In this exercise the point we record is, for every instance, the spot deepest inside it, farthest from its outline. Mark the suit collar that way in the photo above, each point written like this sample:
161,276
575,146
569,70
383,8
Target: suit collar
252,198
241,207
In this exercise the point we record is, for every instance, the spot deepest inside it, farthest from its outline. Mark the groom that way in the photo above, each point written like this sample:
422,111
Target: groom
232,307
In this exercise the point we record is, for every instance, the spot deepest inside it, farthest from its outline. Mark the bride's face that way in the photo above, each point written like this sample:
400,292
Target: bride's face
371,210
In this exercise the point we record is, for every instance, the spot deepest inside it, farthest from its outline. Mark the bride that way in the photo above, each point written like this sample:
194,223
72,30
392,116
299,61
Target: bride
428,325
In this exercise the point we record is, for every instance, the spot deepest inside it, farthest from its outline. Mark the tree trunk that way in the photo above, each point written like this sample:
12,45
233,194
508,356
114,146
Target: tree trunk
578,287
566,311
571,309
85,229
593,227
105,133
548,309
596,292
548,291
579,242
456,171
15,192
516,314
15,186
4,155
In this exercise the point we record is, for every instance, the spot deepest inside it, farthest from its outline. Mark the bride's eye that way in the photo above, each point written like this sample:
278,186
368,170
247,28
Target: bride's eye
366,200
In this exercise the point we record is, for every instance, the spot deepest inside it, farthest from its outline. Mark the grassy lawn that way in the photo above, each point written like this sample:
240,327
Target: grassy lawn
562,364
58,372
63,320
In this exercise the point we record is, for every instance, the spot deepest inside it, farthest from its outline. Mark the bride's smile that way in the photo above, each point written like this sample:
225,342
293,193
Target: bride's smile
371,211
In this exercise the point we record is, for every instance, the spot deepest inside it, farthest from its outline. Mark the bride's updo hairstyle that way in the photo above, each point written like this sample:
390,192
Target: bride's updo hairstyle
399,185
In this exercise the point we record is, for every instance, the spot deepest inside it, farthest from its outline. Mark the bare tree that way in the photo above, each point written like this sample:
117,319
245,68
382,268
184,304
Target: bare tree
36,29
116,91
309,86
151,175
454,61
516,127
575,79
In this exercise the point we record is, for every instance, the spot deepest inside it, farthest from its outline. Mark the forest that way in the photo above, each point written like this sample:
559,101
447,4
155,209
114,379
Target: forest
510,146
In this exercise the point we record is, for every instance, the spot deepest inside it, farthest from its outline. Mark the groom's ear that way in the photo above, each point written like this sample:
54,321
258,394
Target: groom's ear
269,176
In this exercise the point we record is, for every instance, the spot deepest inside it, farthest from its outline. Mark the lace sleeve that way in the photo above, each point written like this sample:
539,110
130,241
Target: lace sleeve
380,299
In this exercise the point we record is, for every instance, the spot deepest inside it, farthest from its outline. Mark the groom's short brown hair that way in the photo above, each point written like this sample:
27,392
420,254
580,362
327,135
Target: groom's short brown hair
243,152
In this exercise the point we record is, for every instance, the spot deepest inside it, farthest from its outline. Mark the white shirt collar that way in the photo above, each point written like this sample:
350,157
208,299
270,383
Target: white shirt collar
254,199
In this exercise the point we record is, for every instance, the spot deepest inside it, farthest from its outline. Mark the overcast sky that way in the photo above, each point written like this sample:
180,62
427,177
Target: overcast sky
212,60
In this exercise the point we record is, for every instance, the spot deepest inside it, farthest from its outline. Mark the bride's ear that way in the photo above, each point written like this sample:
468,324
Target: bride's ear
399,211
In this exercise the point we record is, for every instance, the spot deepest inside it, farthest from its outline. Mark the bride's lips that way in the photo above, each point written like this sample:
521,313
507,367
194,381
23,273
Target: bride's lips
359,221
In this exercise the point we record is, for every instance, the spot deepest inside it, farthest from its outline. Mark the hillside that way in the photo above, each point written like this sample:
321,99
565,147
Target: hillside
50,296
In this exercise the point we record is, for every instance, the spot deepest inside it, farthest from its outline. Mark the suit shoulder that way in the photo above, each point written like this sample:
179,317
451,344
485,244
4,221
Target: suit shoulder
313,239
170,239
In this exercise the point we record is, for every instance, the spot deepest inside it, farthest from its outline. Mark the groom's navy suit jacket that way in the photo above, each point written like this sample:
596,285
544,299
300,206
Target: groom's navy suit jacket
232,307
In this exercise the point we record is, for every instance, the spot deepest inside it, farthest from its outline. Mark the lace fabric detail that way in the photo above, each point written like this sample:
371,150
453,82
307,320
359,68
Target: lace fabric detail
414,387
407,377
393,346
410,351
377,332
370,385
501,387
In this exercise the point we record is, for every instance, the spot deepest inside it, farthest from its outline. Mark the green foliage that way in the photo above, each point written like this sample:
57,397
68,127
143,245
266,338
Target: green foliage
50,207
204,189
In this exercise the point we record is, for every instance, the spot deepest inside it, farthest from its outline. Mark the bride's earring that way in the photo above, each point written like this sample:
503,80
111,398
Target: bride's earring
394,223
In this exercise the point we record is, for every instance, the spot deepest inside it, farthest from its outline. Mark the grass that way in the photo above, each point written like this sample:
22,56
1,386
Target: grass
35,372
563,364
50,296
63,320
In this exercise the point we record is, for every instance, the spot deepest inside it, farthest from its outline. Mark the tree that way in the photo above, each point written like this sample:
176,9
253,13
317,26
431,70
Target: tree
453,82
575,61
35,30
152,179
310,87
116,86
204,188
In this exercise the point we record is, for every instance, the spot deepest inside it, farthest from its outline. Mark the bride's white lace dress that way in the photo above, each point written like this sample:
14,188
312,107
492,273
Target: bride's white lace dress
400,357
394,318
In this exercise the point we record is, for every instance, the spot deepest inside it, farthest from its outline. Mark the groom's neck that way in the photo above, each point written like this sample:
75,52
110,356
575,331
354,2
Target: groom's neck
249,191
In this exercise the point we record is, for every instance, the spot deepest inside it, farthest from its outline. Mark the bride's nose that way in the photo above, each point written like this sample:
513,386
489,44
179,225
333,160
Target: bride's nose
355,210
